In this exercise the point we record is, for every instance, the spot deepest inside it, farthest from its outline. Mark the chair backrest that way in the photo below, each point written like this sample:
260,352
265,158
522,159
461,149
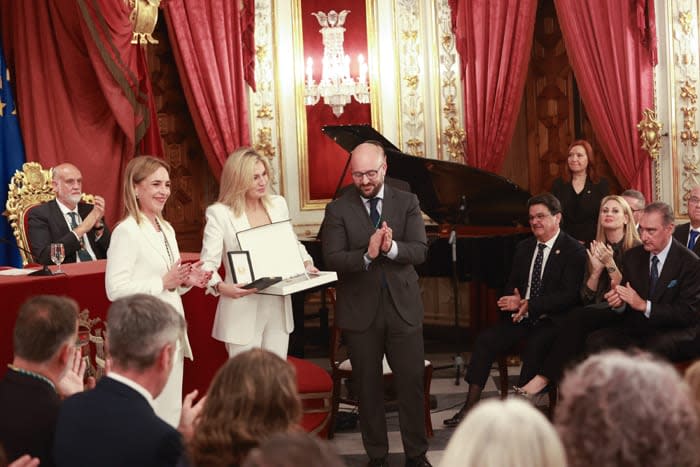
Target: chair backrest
28,188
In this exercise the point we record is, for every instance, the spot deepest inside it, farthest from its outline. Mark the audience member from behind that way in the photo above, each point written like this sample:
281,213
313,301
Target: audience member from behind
253,396
580,192
114,424
504,433
46,367
637,203
68,220
296,449
623,410
688,232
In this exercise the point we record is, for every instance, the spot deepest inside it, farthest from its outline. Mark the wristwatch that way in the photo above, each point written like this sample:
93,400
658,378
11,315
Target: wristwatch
611,269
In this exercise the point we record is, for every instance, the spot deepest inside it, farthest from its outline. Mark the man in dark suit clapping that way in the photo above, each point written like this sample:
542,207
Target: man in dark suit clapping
373,235
115,424
544,283
659,293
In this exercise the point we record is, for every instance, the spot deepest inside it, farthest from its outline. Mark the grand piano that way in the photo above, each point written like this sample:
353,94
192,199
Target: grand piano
486,212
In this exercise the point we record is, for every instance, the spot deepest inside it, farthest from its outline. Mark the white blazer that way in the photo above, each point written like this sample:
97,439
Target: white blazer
137,260
235,318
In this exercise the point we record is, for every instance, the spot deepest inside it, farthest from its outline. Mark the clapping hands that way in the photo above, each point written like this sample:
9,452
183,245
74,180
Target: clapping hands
197,277
380,241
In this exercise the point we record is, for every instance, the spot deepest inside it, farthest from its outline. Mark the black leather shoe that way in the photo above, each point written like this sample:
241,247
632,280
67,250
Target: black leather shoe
379,462
418,461
456,419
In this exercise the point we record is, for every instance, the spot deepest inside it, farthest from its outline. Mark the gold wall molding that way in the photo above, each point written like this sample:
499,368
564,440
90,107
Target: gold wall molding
264,106
682,18
452,138
410,76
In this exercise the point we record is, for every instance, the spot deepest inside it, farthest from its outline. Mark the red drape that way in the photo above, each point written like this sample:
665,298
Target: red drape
207,41
81,89
493,39
612,52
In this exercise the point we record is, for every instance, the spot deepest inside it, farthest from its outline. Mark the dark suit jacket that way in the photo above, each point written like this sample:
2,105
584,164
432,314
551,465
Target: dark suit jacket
676,299
561,278
346,232
113,425
47,225
28,412
681,233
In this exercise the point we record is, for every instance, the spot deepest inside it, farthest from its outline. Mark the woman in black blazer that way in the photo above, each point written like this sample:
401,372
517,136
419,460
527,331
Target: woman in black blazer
580,192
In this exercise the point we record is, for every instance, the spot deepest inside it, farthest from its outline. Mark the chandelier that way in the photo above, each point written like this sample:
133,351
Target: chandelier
337,87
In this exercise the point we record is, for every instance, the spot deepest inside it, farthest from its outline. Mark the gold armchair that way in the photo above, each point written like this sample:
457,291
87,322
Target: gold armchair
29,187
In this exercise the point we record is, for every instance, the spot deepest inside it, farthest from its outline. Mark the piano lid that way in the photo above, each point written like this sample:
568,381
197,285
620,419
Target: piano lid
492,200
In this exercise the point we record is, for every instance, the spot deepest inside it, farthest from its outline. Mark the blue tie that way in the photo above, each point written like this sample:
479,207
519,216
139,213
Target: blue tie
653,275
536,281
373,212
693,238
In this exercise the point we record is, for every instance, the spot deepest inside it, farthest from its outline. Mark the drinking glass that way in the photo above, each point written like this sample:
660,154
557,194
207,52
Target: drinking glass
57,255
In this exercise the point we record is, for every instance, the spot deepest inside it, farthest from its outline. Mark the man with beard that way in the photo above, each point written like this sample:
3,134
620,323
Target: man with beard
373,235
79,226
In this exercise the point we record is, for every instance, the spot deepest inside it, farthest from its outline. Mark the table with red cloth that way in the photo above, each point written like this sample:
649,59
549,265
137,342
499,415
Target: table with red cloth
85,283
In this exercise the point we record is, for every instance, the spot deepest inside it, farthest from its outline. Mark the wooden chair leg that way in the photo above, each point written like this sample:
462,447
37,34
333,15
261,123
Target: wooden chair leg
503,376
427,378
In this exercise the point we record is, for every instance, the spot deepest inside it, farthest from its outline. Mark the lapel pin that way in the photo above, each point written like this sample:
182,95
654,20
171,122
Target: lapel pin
557,252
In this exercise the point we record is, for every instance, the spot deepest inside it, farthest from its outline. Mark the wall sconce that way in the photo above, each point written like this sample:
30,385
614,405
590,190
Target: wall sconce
336,86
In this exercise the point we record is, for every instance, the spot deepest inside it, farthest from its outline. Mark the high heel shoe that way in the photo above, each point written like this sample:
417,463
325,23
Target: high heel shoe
457,418
535,398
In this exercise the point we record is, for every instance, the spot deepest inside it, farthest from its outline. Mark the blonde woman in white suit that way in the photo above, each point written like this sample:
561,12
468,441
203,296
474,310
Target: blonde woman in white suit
143,257
245,319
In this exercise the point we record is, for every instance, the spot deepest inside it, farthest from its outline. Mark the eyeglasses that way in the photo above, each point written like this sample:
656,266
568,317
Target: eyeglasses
693,200
370,174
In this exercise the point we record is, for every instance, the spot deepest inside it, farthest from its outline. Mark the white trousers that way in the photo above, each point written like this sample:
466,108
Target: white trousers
270,333
168,404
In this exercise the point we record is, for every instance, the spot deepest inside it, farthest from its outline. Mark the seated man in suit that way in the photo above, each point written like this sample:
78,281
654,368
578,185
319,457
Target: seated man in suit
544,284
114,424
659,291
79,226
45,367
687,234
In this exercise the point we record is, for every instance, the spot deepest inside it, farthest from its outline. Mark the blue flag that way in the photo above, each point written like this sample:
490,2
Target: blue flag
11,159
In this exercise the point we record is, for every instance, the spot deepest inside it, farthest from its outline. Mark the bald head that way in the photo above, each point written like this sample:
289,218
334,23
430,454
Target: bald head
368,168
68,184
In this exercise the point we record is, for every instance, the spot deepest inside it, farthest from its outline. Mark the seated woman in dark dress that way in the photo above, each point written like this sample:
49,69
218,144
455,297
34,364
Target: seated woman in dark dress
616,233
579,191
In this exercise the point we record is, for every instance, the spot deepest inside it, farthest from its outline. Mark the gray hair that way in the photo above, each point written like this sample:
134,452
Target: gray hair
138,326
662,208
637,195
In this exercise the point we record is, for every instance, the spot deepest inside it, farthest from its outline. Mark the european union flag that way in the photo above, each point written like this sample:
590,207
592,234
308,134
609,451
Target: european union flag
11,159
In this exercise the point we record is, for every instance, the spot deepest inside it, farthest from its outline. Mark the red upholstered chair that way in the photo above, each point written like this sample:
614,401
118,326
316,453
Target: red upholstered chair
315,386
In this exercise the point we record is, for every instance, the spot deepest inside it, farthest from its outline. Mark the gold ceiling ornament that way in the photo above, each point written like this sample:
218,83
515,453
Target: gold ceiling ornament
688,92
143,17
689,135
649,129
455,137
263,143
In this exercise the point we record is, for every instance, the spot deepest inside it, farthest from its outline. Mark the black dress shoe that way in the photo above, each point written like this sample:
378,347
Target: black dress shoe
456,419
418,461
378,462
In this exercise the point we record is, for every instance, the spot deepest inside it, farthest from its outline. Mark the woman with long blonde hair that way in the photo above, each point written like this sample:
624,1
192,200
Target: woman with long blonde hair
143,257
244,319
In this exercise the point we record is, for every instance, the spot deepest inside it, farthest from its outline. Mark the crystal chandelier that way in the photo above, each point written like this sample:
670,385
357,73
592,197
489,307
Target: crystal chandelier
336,86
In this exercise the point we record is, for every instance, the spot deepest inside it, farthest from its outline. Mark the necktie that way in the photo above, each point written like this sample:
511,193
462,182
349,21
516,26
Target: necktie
82,253
373,212
693,238
653,274
536,280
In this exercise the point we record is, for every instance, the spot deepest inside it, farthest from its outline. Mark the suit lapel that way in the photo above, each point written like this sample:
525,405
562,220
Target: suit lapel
551,266
669,271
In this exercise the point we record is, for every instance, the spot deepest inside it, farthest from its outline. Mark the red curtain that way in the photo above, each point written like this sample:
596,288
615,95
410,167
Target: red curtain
208,40
81,89
612,49
494,39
